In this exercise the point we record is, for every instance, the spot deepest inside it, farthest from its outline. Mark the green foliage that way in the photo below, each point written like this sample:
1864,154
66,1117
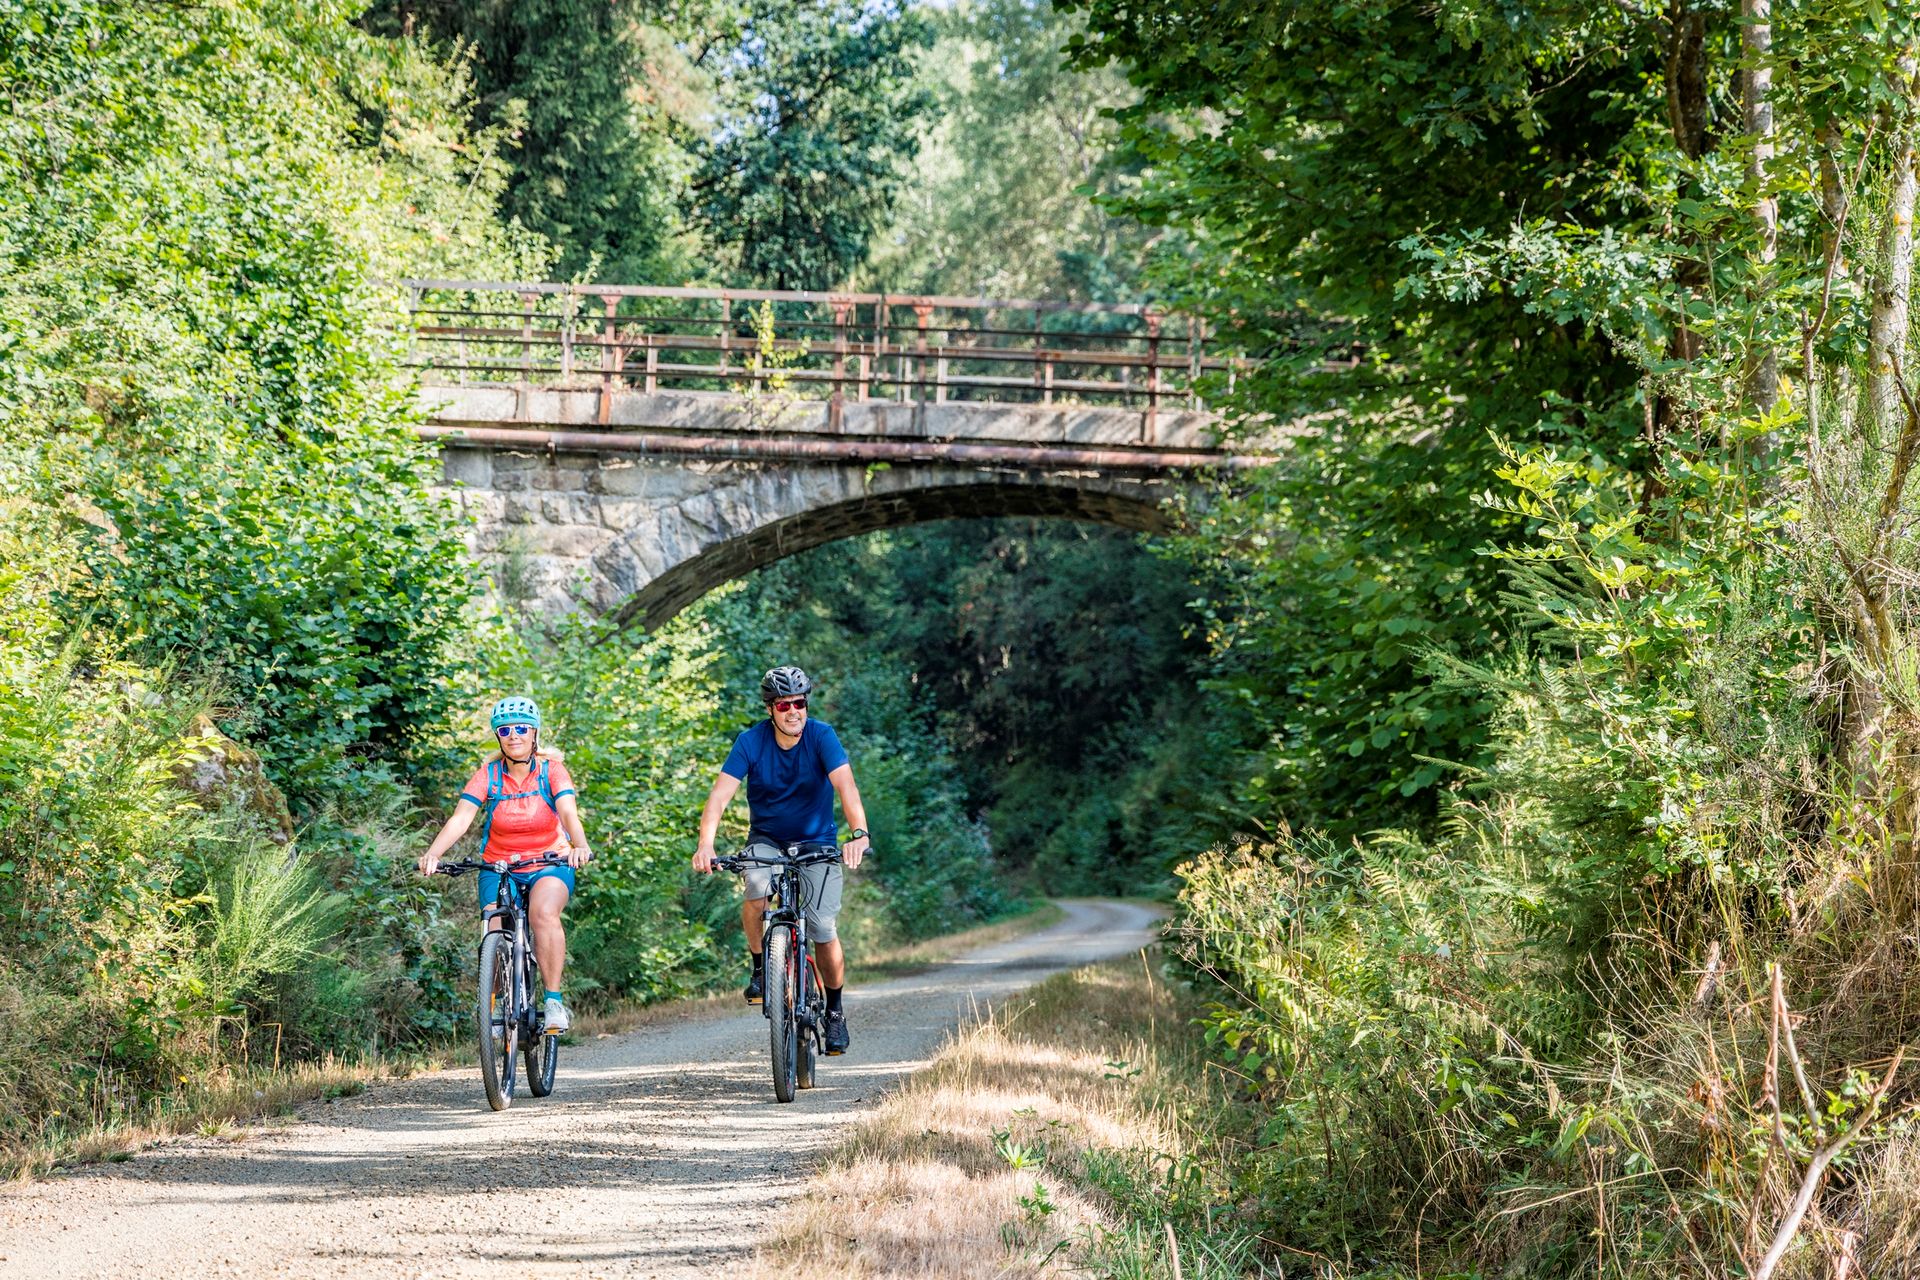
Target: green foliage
999,204
192,332
210,502
1558,574
593,96
819,116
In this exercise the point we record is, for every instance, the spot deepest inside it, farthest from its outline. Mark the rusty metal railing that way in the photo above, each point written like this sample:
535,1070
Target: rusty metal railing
840,347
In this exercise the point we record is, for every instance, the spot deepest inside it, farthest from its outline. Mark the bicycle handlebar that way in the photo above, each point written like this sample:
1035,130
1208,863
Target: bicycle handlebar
817,854
478,864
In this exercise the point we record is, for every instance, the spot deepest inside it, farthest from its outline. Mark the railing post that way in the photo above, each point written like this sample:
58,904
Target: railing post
726,338
567,306
882,317
610,361
414,293
524,391
922,314
653,363
837,403
1150,424
1196,336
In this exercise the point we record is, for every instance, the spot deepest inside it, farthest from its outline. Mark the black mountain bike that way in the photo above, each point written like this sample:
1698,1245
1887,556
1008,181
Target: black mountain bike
796,1005
509,1015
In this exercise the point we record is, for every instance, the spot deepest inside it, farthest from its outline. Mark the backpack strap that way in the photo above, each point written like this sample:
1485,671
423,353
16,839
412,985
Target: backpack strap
497,790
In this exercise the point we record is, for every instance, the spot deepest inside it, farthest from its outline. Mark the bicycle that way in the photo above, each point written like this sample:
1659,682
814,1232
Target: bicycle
795,1005
509,1015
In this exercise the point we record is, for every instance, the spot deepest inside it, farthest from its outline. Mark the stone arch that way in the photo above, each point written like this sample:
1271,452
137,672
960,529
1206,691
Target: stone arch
900,500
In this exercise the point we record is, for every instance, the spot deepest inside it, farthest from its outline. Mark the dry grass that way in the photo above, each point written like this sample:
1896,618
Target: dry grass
978,1166
212,1107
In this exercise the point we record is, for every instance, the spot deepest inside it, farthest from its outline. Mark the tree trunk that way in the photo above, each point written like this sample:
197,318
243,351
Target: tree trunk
1687,116
1893,277
1756,33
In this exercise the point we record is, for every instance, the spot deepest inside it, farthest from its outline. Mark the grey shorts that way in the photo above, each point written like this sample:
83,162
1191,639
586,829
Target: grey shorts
819,889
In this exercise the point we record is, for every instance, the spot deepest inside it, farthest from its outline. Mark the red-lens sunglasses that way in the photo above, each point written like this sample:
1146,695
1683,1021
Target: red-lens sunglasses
789,704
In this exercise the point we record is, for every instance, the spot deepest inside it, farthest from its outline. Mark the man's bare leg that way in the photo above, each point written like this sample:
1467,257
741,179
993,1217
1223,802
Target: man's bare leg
753,912
833,963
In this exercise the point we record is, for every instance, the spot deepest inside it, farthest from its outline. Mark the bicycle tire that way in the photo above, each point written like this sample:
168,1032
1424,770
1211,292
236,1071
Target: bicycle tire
494,1019
783,1033
809,1055
542,1051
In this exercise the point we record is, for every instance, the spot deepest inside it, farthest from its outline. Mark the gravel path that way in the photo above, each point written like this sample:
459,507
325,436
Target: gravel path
659,1154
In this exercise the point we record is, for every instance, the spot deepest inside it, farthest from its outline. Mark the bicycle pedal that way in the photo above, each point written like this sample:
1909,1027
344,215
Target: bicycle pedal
834,1053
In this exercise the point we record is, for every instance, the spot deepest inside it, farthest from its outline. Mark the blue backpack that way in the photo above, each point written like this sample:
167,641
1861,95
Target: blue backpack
497,791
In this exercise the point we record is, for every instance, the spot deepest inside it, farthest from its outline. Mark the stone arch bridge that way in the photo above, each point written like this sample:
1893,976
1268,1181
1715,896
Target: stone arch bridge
635,447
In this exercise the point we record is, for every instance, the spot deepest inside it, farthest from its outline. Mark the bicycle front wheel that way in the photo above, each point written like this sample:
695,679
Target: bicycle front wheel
495,1021
781,998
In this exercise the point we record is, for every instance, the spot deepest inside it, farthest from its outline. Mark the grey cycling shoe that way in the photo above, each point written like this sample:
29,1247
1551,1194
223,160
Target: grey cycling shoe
756,991
837,1037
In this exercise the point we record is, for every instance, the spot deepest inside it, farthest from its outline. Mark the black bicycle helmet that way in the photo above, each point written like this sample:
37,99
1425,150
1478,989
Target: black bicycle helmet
785,682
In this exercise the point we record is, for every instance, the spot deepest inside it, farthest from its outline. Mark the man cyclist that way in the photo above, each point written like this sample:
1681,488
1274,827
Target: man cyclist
793,767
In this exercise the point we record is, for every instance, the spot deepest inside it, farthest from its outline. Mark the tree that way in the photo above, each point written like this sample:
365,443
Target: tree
819,115
1020,141
598,96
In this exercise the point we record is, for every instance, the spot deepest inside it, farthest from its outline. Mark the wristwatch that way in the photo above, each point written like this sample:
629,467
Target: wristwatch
859,833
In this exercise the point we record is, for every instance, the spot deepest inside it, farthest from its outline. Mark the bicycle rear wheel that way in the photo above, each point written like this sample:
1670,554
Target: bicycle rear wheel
808,1055
542,1051
494,1019
784,1033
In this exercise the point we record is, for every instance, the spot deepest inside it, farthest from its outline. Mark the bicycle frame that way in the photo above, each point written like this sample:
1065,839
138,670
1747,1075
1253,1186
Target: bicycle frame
509,909
788,910
795,1044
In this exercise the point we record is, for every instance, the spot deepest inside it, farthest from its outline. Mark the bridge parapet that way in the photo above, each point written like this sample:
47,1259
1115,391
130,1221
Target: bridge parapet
872,366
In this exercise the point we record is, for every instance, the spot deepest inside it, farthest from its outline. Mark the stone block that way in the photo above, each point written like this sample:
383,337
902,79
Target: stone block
566,541
505,460
569,508
648,478
1102,426
519,510
512,481
626,514
472,468
561,480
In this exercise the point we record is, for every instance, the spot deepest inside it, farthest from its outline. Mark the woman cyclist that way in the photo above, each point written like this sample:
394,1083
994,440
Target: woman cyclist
523,798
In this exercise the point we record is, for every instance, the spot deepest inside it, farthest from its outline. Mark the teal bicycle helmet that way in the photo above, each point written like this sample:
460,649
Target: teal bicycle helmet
515,710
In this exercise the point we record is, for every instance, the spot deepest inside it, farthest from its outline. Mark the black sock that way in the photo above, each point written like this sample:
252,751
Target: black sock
833,999
759,963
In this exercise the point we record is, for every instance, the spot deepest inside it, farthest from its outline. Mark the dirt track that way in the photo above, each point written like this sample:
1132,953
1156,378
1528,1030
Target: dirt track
659,1154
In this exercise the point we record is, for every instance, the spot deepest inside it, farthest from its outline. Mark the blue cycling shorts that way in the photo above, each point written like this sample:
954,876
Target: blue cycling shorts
490,882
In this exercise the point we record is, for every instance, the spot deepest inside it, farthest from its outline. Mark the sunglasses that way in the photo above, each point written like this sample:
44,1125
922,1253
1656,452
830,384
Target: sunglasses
789,704
513,730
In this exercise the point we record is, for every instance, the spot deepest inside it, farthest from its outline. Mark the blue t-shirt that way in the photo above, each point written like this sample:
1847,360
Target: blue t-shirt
788,791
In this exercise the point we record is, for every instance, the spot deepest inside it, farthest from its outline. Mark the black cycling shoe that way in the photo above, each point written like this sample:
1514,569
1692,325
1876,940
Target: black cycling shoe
756,991
837,1038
